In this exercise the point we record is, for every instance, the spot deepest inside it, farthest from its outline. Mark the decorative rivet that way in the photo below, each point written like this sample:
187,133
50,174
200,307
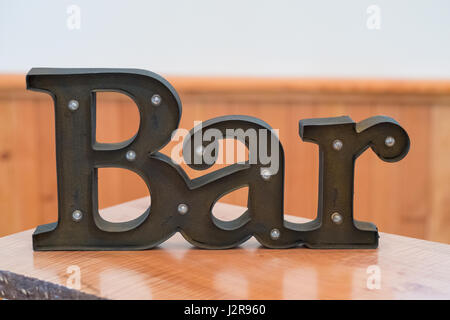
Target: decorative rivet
336,218
156,99
275,234
130,155
77,215
183,208
337,144
389,141
265,174
73,105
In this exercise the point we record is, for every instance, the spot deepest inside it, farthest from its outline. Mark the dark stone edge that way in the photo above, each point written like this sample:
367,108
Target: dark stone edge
18,287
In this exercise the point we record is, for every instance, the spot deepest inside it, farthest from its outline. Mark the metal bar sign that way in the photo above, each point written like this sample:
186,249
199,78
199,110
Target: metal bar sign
181,204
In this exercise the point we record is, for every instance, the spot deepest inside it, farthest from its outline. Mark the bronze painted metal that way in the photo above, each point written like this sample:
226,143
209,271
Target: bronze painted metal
181,204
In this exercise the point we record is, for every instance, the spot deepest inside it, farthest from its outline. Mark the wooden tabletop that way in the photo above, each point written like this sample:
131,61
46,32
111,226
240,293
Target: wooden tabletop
401,268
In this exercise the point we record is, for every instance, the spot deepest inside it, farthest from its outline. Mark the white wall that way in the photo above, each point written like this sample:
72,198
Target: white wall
231,37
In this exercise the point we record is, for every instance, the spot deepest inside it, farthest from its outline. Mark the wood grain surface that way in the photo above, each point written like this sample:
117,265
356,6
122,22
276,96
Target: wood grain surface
410,197
408,269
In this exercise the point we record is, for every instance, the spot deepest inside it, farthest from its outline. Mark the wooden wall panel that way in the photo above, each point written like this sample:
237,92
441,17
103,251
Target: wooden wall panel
410,197
439,211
